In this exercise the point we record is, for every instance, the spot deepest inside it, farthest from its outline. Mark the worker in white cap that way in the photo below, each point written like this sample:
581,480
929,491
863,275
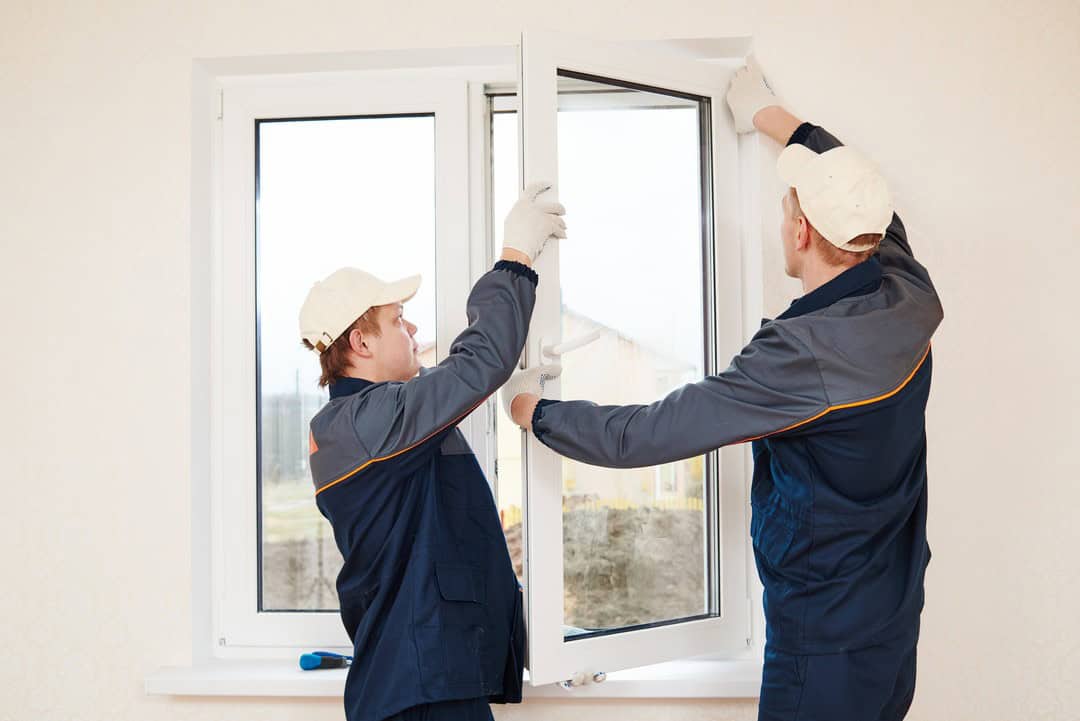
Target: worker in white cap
428,598
832,394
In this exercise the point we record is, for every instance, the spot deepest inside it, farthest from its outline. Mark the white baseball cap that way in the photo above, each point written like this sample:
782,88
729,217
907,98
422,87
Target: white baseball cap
333,304
841,192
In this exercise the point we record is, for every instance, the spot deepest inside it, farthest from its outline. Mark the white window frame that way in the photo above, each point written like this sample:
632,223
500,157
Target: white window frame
237,624
553,657
224,632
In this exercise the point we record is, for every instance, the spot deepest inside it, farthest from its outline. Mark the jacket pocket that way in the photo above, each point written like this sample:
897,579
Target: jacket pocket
462,619
459,582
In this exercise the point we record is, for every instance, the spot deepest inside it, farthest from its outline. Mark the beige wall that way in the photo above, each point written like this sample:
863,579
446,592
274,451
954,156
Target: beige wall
970,107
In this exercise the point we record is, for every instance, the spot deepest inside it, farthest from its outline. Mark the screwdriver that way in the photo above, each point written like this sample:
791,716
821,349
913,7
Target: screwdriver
323,659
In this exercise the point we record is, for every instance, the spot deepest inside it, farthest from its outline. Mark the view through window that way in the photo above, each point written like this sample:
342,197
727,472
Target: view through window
357,191
631,275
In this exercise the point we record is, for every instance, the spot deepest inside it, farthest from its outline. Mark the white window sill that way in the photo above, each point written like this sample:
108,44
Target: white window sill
678,679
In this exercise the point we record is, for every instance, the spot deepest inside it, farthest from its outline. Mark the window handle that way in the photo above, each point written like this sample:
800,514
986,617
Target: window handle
581,678
555,351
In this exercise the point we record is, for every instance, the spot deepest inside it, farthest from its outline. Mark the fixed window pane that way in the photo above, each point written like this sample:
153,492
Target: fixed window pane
351,191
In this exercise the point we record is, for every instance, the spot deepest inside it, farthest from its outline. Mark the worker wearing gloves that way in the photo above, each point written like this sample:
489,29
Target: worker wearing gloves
832,395
427,590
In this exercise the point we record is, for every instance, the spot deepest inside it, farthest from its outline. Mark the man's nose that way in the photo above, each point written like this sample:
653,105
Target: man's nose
412,328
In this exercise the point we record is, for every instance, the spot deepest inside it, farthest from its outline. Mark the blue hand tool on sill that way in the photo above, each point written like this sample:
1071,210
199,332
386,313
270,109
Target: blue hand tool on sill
323,659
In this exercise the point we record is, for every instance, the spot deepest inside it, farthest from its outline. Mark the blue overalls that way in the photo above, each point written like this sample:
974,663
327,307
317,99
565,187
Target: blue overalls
839,532
427,591
832,394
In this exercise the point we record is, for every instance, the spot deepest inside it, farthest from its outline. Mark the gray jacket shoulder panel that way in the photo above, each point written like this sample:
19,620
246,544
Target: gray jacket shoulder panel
867,346
389,418
340,449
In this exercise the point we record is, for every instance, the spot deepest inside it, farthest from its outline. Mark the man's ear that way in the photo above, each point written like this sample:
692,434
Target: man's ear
802,233
357,344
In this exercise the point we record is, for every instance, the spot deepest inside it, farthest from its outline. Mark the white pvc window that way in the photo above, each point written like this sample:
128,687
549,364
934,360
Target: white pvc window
412,171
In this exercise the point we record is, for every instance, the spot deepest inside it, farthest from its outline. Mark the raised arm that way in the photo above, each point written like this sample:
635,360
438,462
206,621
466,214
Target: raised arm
771,386
397,416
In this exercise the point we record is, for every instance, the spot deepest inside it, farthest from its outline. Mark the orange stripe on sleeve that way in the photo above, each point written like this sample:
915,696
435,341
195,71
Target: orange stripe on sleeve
866,402
367,463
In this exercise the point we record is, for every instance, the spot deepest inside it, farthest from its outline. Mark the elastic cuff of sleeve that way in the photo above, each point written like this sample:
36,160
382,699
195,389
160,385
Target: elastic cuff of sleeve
537,412
518,269
801,134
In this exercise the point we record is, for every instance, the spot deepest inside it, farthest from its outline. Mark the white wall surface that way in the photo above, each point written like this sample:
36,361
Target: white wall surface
970,107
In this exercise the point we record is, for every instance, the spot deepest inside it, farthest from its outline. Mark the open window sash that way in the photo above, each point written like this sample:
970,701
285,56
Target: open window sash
560,73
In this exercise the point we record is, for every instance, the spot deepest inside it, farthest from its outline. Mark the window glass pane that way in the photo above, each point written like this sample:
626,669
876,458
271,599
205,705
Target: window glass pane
630,175
337,192
635,541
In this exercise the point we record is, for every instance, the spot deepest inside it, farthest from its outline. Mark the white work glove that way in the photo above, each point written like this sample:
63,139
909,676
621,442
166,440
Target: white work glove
530,380
530,224
747,94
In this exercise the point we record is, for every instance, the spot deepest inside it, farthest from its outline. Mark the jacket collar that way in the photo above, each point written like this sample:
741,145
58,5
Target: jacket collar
858,280
348,386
